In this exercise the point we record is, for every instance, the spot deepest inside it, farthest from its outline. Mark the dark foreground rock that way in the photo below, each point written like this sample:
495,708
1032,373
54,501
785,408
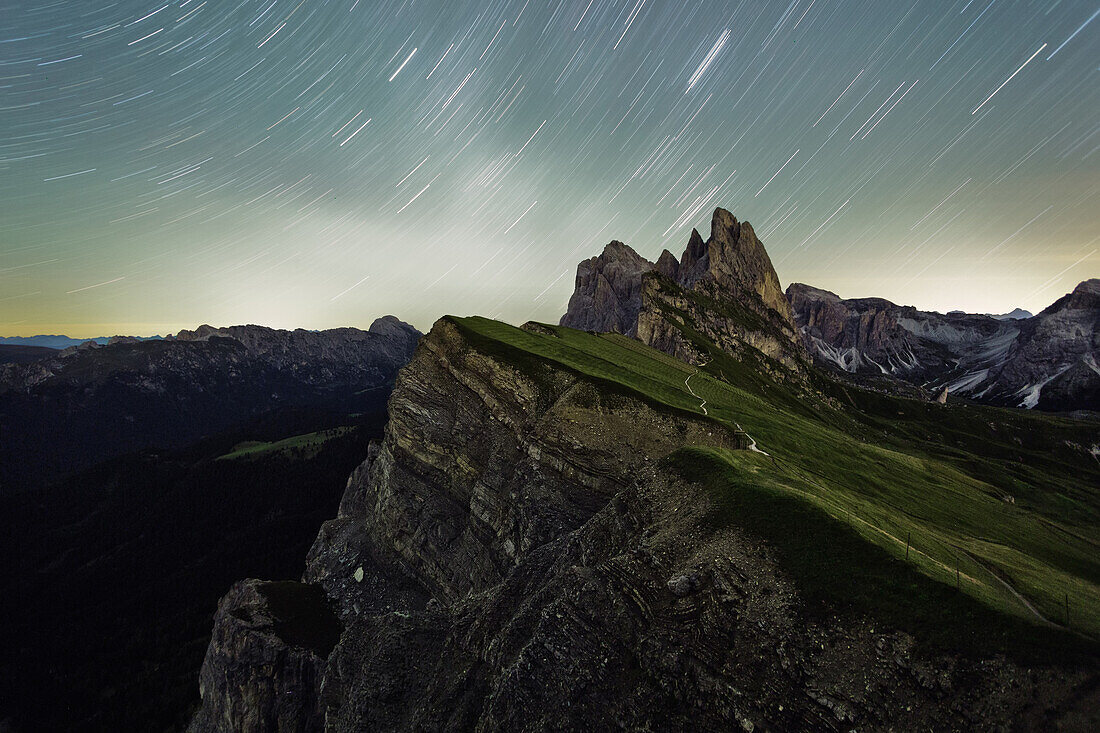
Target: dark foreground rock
266,658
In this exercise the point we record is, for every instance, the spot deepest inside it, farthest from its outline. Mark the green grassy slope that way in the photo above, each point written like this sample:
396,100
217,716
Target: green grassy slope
302,447
1003,503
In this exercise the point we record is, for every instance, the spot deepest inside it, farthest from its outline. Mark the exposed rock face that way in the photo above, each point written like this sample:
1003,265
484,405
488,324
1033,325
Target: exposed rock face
574,583
92,402
1055,362
458,514
732,262
608,291
725,287
1047,361
264,663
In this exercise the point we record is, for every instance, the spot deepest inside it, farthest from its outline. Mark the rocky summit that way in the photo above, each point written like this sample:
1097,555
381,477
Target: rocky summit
608,292
725,287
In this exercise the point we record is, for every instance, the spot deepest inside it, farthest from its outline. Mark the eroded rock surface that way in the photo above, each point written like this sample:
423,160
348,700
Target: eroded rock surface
607,293
265,660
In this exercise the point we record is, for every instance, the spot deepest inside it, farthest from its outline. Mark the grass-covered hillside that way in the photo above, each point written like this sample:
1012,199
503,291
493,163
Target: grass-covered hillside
1000,509
297,446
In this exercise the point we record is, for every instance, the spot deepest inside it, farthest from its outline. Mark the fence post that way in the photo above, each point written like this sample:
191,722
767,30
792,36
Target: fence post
908,537
958,586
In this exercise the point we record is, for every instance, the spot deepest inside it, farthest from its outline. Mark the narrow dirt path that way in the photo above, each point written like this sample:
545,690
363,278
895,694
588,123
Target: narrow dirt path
752,441
1027,604
702,402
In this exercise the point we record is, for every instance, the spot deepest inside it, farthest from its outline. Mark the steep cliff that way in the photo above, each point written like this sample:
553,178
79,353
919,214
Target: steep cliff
539,545
607,293
266,658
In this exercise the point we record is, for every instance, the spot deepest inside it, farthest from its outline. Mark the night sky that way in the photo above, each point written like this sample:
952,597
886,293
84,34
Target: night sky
300,163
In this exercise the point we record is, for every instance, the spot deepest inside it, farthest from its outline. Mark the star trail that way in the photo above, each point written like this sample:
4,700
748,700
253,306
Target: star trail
300,163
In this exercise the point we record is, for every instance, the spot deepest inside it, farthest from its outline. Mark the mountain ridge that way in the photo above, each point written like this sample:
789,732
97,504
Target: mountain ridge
1046,361
91,402
726,288
530,546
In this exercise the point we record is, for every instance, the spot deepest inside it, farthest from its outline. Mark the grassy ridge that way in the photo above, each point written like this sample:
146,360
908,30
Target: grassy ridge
837,569
1001,497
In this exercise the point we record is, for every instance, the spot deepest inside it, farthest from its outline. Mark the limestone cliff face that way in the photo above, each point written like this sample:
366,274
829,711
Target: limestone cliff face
724,287
483,463
607,294
514,556
1055,363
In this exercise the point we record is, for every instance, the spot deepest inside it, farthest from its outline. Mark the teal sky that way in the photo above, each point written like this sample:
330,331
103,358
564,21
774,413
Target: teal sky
317,164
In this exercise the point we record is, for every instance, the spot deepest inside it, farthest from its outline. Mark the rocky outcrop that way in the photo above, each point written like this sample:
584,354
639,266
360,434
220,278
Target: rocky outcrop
724,288
1048,361
608,294
92,402
531,563
456,512
732,262
265,660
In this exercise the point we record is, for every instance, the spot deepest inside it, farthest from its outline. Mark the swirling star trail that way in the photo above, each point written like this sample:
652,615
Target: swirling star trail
320,163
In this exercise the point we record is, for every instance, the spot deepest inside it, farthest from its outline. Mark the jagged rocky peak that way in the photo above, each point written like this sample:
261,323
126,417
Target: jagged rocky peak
726,286
668,265
730,264
608,289
735,260
693,263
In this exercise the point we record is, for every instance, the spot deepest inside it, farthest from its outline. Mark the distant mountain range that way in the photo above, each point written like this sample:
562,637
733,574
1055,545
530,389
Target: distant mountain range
63,342
1048,361
92,402
729,291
